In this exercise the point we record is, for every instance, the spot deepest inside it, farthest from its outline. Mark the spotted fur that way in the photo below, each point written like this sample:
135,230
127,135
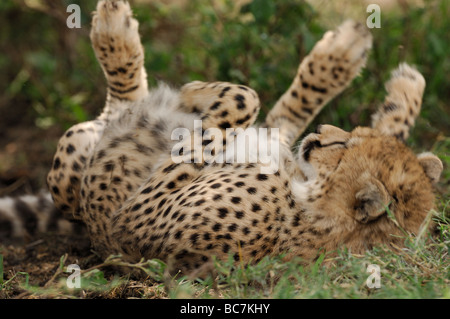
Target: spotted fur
116,173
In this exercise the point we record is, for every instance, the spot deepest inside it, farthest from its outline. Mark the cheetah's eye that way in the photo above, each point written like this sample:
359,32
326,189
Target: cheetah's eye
317,144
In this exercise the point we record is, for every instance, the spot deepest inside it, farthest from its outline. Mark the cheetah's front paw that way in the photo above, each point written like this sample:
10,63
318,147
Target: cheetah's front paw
117,44
338,57
325,72
114,19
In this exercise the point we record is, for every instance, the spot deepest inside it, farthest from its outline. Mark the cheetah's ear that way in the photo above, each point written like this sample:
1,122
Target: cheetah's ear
371,201
432,166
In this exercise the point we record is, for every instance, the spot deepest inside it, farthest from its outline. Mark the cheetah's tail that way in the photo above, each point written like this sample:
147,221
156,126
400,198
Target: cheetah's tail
24,218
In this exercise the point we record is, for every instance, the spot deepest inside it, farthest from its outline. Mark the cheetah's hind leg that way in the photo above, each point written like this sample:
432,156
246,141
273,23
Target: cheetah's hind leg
330,67
117,45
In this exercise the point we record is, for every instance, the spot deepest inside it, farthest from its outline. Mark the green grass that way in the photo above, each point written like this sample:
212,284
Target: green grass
419,270
5,285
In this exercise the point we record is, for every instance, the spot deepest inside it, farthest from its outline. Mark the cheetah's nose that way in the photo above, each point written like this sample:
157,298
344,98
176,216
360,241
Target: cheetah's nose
318,129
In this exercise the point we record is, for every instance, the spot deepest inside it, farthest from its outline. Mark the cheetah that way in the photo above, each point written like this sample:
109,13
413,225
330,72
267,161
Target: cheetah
358,189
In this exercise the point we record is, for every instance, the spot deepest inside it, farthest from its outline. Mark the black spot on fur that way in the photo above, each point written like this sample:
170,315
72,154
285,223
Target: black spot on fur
389,107
56,163
162,203
216,185
239,214
304,100
74,180
183,177
70,149
225,90
223,212
319,89
55,190
194,238
178,234
235,200
206,236
243,120
262,177
158,195
256,207
199,202
240,101
108,167
136,207
226,248
171,185
76,167
239,184
122,70
225,125
148,211
215,106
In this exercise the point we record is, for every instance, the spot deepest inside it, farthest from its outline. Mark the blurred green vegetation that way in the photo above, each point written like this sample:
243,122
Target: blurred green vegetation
49,76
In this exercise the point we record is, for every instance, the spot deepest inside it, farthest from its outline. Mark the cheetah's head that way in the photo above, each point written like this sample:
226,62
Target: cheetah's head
360,180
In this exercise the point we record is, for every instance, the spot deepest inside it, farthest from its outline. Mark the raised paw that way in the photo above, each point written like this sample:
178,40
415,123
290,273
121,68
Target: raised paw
402,105
349,43
221,104
330,67
336,59
117,45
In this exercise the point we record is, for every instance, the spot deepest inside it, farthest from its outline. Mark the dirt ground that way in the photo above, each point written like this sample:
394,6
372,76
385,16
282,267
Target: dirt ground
41,261
26,153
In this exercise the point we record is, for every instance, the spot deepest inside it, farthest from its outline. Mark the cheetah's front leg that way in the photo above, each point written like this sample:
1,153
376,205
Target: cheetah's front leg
117,45
325,72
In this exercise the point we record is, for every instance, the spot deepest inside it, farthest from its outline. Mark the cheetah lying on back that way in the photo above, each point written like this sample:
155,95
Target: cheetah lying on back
117,173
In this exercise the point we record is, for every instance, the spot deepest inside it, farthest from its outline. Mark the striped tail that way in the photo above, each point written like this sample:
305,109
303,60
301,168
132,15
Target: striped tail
24,218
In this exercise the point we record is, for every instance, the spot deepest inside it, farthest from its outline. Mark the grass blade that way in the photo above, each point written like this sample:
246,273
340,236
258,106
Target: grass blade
1,270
